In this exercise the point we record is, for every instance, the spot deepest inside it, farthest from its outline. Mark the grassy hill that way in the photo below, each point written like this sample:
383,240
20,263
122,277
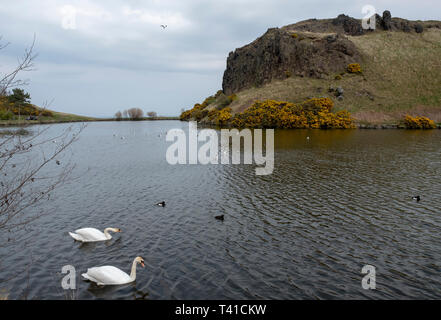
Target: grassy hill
11,115
401,74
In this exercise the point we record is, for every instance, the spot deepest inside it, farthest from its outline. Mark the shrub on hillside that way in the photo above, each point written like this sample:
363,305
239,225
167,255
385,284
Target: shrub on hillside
418,123
200,111
208,101
6,115
313,113
198,115
9,109
223,116
192,113
354,68
185,115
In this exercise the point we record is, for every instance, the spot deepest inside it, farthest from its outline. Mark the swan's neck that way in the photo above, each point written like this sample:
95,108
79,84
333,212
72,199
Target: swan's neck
107,234
133,271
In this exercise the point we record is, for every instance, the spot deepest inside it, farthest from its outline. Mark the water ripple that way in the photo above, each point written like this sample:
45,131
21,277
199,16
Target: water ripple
333,204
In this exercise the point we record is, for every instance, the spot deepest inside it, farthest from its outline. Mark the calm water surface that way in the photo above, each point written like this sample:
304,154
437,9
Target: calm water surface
335,202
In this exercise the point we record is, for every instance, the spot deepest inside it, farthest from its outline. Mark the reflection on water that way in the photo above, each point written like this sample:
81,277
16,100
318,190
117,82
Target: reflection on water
336,201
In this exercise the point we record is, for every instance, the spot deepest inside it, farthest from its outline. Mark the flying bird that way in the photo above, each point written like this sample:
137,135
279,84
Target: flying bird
163,26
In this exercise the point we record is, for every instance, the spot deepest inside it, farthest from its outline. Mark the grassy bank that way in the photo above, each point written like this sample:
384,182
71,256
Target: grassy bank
60,117
57,117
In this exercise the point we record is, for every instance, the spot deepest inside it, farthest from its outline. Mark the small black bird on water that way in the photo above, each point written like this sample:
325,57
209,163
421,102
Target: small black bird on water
58,162
221,217
416,198
161,204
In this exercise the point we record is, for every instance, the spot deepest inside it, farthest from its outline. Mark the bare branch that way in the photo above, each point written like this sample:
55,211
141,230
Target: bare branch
25,63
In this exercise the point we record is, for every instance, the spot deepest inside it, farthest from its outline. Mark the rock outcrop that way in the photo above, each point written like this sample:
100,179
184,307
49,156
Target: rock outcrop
349,25
386,21
279,54
312,48
353,27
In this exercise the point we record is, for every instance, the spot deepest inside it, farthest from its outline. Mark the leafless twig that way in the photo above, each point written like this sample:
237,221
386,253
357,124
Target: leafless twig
25,63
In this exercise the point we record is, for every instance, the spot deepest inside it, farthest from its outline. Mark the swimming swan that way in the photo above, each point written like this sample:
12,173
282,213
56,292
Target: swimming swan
109,275
92,234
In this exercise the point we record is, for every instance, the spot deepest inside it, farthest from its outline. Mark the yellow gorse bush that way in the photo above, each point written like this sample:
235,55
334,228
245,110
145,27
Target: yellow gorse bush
223,116
26,109
313,113
419,123
192,113
354,68
199,111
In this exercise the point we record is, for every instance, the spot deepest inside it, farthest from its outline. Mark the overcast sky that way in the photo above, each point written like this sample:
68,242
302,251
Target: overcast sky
98,57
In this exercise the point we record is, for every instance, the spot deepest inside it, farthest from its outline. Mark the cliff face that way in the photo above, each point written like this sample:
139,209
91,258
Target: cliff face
279,54
312,48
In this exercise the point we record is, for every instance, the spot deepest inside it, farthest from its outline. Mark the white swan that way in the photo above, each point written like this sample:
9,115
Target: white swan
92,234
109,275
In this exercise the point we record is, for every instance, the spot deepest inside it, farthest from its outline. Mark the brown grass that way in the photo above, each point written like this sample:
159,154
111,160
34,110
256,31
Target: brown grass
378,117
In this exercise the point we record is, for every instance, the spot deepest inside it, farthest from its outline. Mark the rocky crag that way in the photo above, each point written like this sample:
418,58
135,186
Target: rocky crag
378,75
311,48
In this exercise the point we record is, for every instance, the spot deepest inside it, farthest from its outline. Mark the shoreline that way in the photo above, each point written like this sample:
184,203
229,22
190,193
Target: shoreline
26,123
376,126
358,126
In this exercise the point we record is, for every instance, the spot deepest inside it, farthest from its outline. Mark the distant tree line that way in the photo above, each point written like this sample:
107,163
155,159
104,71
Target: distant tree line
133,114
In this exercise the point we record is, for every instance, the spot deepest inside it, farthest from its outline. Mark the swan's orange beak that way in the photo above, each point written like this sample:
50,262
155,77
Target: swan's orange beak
142,264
